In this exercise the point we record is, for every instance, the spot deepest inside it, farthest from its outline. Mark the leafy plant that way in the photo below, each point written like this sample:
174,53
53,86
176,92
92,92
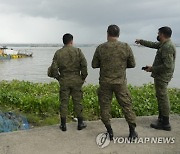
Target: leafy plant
40,101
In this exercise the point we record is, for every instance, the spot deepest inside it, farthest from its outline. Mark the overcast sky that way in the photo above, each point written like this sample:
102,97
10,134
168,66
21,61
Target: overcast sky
45,21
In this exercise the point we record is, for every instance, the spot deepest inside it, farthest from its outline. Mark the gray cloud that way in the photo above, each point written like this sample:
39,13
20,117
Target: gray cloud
138,18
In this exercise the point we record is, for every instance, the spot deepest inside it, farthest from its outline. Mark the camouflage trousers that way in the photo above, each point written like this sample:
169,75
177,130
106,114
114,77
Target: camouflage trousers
105,93
76,92
162,97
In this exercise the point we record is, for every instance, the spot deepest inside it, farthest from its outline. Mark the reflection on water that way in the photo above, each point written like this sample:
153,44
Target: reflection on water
35,69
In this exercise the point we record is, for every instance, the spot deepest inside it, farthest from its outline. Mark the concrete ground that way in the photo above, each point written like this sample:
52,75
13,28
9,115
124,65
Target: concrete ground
50,140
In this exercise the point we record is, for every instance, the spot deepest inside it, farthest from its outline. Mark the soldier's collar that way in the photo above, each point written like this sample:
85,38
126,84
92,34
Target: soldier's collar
166,41
112,40
67,46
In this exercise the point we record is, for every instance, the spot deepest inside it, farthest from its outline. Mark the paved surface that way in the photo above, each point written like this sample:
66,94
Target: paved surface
50,140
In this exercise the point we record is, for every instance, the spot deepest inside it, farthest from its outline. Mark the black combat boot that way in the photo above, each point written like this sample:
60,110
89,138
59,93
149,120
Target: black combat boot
63,124
163,125
166,124
160,119
81,124
110,131
132,133
157,123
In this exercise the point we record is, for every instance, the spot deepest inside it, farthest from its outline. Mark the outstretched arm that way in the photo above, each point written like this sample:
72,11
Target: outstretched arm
154,45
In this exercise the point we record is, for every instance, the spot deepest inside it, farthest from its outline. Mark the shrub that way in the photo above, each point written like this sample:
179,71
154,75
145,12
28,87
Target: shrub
41,101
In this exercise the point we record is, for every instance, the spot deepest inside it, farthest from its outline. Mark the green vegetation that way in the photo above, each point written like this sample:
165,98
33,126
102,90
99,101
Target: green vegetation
39,102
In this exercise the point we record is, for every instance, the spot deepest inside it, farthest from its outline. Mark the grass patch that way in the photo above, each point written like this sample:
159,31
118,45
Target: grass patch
39,102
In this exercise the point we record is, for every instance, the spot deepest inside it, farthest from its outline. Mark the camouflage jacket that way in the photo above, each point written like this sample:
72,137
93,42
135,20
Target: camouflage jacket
113,57
164,63
69,65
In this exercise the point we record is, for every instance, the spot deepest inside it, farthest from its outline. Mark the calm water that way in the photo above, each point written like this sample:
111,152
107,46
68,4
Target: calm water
35,69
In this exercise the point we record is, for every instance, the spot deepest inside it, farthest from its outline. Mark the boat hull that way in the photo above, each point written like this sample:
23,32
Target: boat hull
7,57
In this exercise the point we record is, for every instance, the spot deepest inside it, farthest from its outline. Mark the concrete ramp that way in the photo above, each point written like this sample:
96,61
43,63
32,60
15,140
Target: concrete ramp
50,140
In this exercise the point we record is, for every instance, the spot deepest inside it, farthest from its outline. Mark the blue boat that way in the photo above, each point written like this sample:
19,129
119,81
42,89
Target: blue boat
5,57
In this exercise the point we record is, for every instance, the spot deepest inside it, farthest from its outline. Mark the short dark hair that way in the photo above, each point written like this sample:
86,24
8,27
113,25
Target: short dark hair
113,30
166,31
67,38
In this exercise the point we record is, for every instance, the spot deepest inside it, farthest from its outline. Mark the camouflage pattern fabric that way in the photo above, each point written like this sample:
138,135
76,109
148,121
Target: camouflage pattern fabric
162,97
164,63
162,71
69,67
113,58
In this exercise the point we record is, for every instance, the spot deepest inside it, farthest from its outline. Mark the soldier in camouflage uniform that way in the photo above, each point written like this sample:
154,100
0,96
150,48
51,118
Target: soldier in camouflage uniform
69,67
162,72
113,58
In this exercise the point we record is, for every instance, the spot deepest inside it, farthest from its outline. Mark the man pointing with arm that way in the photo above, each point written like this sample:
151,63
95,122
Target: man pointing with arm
162,72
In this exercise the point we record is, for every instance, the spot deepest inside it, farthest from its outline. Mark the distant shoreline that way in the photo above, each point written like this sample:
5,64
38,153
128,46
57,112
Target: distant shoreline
55,45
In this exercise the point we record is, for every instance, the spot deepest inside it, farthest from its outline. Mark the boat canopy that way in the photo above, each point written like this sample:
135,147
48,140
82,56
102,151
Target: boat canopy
10,52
